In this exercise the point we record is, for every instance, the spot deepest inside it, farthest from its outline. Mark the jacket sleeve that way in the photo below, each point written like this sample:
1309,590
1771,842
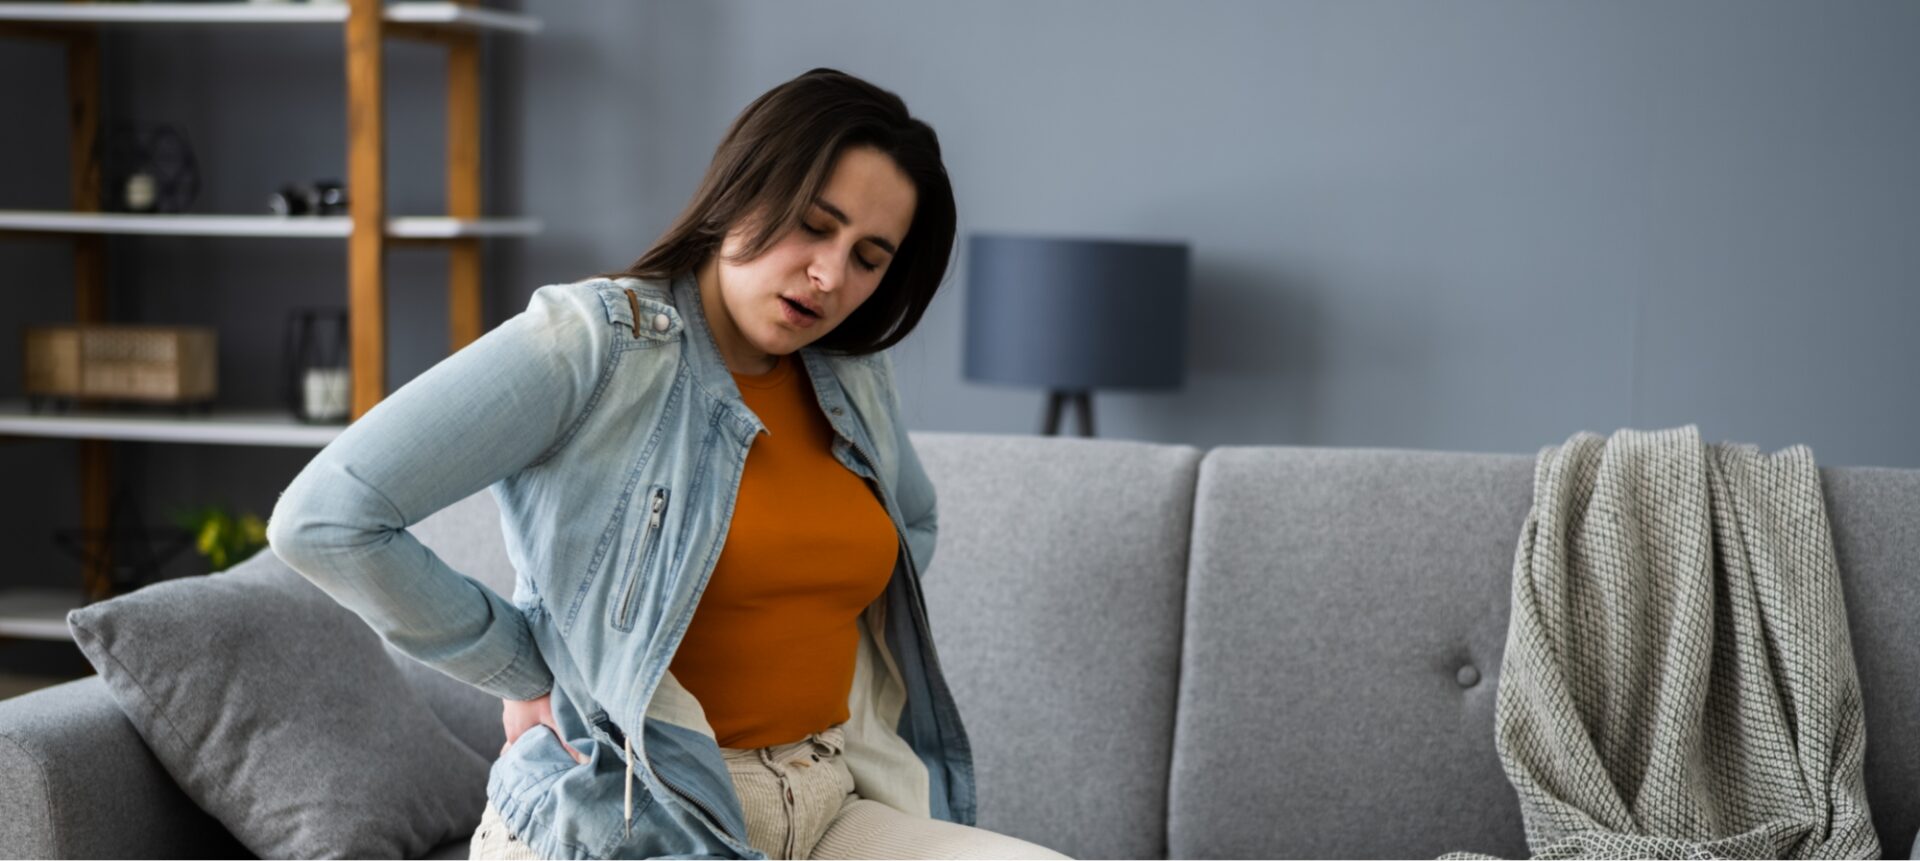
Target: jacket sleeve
506,401
913,489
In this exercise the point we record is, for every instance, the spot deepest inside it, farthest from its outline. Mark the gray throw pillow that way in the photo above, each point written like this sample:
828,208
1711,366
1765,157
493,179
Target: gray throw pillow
281,714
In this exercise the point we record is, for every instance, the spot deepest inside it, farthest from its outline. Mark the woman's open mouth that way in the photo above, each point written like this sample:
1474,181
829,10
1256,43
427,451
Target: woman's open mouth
797,313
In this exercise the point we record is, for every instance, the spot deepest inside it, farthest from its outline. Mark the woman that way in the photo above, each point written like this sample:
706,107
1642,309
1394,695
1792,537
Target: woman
716,644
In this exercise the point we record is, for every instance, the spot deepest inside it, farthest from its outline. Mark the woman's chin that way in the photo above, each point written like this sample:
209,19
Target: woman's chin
783,340
780,344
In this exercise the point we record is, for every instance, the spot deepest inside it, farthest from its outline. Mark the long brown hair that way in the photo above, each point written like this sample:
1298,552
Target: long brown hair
777,156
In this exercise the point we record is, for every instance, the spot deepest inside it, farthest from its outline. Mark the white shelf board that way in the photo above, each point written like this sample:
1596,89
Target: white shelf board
449,14
461,15
221,427
38,613
442,227
303,226
332,226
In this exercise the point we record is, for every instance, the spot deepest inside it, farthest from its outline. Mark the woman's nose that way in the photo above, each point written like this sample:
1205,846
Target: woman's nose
828,273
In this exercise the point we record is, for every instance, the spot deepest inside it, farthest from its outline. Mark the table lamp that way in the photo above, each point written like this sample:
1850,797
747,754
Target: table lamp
1074,315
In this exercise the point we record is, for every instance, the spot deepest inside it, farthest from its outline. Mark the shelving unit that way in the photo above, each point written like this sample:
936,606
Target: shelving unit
367,229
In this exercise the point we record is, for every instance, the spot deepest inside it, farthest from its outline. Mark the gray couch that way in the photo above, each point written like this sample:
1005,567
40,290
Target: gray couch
1159,651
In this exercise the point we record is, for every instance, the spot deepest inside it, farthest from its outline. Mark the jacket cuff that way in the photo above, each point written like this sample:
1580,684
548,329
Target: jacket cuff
526,677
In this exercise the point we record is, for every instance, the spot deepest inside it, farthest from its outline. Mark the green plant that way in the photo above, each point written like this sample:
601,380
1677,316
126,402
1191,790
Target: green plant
221,535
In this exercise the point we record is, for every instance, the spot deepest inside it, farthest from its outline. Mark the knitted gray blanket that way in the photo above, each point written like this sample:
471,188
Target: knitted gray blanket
1678,679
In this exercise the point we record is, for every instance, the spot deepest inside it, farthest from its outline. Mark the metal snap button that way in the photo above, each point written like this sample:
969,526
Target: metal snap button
660,322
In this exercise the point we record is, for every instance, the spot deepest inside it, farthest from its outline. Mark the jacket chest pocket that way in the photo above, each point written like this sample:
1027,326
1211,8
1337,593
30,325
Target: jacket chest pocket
639,558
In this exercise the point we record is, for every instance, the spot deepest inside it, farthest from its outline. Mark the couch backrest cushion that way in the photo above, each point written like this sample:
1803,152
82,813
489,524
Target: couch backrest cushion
1347,613
1054,596
1875,515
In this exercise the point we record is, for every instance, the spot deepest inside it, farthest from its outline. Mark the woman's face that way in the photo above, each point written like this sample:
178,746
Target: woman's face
827,265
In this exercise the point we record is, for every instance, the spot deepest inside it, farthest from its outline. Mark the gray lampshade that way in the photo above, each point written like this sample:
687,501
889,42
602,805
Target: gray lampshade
1076,313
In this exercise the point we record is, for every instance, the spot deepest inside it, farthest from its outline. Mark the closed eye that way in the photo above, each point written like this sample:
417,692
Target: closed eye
857,258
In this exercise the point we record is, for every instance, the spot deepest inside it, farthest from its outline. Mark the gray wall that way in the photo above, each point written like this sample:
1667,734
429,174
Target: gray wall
1476,226
1468,225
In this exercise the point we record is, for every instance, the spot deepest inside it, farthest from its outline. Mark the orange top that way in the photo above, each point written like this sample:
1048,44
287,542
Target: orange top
769,653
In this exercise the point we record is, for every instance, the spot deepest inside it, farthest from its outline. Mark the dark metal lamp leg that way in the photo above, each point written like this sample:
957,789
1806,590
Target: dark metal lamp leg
1081,400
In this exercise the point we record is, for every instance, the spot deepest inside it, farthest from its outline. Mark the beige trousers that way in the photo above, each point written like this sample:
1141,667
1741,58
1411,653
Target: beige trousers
800,803
493,840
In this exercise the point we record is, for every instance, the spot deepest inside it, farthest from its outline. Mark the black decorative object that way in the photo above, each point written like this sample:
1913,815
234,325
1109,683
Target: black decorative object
136,553
331,197
318,383
323,197
148,169
290,200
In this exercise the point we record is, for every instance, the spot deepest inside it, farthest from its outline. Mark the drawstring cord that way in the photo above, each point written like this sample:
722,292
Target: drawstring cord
629,747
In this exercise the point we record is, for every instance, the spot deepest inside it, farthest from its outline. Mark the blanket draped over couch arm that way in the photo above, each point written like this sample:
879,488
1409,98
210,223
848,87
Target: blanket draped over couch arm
1678,678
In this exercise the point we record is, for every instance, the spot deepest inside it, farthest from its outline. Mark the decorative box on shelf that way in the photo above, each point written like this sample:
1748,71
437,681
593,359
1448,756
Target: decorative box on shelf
163,365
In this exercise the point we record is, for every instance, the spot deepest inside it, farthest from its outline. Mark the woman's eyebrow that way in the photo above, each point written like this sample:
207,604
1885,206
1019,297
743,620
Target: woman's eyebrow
843,219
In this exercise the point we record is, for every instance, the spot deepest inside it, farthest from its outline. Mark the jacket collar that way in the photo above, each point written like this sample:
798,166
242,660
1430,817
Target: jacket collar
708,366
710,370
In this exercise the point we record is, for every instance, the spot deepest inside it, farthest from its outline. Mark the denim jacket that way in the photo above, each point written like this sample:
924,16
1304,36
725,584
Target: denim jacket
612,435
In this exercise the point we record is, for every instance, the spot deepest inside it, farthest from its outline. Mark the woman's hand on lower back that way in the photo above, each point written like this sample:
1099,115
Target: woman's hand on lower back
521,716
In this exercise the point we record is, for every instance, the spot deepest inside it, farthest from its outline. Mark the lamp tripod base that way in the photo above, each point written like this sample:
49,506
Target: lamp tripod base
1082,402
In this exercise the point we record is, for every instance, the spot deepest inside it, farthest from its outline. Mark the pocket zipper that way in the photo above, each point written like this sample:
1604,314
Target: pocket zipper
656,511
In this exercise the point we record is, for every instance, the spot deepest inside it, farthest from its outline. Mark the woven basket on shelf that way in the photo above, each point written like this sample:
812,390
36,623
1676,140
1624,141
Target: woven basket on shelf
156,364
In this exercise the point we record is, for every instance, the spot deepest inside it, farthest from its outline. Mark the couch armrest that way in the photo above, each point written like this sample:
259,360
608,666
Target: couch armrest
76,781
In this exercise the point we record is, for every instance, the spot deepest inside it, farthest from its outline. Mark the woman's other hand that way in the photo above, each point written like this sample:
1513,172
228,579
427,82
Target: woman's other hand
523,715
